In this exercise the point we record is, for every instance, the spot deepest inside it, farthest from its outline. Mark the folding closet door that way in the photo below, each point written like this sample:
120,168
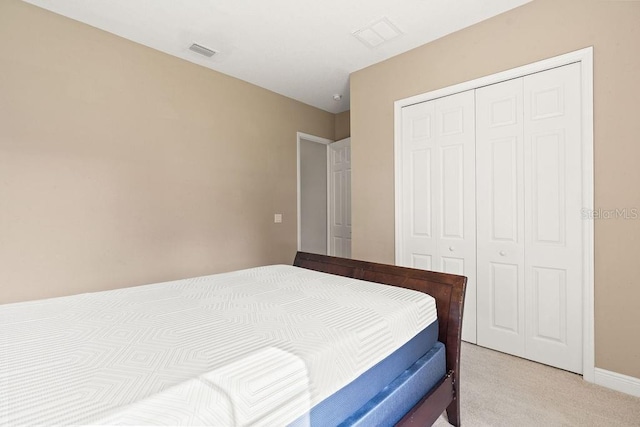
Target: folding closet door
419,170
553,225
529,183
438,192
491,188
500,210
456,197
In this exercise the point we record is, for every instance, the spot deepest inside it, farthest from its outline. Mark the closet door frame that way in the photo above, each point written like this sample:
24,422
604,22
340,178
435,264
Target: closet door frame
585,58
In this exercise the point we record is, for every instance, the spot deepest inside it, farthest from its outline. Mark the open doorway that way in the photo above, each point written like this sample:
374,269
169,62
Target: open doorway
324,195
313,193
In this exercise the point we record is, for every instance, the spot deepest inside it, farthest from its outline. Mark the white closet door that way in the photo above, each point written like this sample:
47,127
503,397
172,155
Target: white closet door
419,171
553,229
529,228
340,198
438,224
500,210
456,197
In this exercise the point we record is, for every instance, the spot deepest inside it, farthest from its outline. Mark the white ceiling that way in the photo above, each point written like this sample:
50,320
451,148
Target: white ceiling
303,49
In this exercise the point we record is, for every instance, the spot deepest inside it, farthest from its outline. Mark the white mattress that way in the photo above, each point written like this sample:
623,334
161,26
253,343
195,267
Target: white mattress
258,346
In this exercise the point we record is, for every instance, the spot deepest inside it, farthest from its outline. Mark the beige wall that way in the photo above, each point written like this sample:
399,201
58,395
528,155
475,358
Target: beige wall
343,125
538,30
120,165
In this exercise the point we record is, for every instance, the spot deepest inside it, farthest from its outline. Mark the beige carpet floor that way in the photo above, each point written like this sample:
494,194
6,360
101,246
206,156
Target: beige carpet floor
503,390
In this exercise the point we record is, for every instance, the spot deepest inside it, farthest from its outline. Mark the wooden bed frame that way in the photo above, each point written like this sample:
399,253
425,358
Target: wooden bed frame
448,290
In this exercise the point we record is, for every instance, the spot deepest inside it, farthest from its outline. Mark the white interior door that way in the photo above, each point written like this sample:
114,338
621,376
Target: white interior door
419,170
340,198
438,163
456,195
529,225
553,225
500,187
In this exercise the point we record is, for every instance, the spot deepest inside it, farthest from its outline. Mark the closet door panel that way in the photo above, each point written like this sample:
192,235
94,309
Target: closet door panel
548,187
420,169
502,157
438,192
549,314
455,135
504,299
553,234
500,234
452,190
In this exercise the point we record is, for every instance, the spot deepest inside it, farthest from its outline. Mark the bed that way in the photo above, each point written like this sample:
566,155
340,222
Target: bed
322,342
448,291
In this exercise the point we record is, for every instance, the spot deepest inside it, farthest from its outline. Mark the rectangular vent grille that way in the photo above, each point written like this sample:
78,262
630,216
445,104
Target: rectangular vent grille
202,50
377,33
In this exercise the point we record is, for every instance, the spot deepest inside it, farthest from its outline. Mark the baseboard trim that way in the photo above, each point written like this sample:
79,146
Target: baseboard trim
618,382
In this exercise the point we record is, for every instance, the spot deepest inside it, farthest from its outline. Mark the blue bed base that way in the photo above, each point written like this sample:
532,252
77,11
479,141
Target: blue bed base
395,400
384,393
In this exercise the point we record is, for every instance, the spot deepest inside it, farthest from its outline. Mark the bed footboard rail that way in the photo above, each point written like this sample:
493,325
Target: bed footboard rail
448,291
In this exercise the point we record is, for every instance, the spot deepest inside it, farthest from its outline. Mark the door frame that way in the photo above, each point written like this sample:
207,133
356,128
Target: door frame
324,141
585,58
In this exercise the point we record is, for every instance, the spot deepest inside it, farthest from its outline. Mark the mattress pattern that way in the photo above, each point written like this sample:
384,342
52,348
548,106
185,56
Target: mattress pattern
251,347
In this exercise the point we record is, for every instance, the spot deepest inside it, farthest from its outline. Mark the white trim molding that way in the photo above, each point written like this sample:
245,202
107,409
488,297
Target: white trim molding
618,382
585,58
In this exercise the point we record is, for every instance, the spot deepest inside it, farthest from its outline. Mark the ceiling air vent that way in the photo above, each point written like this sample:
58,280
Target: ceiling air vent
202,50
378,32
